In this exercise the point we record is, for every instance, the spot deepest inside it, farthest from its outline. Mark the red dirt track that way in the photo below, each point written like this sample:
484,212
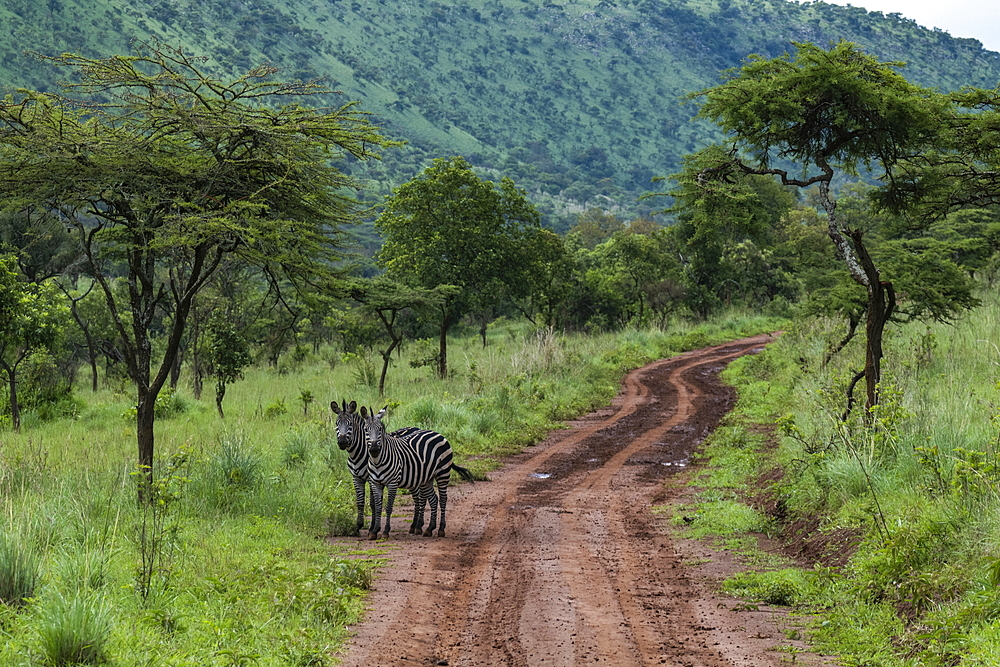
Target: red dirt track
559,560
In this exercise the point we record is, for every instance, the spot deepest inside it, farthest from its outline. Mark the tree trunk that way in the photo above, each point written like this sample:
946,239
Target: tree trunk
881,301
15,410
880,304
386,358
443,346
175,370
144,415
220,393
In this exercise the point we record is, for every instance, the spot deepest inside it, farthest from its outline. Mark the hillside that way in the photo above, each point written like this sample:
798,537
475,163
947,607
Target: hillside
574,100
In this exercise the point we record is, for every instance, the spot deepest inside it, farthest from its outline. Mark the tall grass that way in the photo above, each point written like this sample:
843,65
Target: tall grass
235,568
19,571
920,489
75,630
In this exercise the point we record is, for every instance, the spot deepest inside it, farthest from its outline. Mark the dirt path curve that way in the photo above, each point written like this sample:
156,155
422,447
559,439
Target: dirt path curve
559,560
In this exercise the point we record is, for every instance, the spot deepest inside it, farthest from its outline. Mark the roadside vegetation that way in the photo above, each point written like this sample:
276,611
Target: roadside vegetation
892,529
231,564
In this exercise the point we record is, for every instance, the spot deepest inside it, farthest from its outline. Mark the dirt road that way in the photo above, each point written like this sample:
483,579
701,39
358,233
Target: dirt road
559,560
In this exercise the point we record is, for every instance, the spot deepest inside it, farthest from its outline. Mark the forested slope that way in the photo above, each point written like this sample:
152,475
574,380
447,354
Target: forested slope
574,100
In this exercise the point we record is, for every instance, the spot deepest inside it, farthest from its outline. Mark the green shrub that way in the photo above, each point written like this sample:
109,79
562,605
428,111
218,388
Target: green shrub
275,410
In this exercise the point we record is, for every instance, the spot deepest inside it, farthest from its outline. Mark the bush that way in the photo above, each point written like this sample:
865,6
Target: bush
275,410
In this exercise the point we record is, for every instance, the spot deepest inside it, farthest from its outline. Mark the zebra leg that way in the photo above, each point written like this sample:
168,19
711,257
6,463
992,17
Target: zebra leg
389,500
359,500
443,493
419,498
433,500
376,524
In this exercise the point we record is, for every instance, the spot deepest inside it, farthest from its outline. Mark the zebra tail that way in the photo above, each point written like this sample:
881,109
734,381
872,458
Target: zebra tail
464,472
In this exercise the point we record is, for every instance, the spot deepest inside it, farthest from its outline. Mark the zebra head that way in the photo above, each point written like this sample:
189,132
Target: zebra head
375,431
350,425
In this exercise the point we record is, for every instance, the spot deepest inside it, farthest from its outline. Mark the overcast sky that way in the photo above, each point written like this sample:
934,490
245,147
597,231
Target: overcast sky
959,18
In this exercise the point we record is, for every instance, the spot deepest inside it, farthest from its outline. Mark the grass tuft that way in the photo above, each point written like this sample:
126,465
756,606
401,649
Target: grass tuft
19,571
75,631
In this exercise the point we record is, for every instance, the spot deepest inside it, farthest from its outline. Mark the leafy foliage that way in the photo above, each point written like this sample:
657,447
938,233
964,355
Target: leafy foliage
448,226
176,172
579,102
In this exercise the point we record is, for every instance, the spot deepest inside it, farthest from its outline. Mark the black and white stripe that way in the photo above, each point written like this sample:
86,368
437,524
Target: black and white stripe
420,461
350,429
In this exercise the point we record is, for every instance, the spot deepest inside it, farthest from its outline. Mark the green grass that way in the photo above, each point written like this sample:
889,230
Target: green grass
232,564
920,489
19,571
74,631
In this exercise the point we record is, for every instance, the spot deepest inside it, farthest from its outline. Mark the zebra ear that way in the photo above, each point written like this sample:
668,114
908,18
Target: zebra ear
364,413
352,406
335,407
381,413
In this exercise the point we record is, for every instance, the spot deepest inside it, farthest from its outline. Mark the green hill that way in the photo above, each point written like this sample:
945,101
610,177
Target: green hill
580,102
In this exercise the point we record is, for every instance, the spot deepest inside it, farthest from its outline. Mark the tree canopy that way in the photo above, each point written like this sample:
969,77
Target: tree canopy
447,226
162,171
828,111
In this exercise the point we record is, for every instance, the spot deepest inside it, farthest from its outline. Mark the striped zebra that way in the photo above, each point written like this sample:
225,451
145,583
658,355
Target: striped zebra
351,438
418,461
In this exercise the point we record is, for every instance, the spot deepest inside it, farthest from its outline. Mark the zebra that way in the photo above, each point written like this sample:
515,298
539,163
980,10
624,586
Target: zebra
351,438
418,461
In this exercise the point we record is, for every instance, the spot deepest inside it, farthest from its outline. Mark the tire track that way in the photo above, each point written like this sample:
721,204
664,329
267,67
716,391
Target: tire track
570,569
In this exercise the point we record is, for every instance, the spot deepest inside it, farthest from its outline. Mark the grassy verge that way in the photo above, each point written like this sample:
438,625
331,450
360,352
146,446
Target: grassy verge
231,565
899,521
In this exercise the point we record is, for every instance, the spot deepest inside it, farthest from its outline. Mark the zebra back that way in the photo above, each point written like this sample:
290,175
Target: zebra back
350,427
408,458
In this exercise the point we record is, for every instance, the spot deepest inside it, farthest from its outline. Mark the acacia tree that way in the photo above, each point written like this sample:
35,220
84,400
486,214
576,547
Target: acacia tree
387,300
446,226
827,111
163,170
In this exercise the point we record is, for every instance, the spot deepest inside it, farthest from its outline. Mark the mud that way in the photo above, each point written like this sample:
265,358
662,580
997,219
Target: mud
561,561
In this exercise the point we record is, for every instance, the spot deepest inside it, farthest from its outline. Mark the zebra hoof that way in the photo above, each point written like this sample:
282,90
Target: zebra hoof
372,536
428,533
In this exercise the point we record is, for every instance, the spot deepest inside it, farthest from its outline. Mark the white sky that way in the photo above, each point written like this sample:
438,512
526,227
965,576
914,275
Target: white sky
959,18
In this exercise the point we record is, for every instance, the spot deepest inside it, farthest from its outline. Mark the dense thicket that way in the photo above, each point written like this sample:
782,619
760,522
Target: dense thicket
579,102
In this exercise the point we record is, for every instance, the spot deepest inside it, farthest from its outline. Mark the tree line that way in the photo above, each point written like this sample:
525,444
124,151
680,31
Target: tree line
164,222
